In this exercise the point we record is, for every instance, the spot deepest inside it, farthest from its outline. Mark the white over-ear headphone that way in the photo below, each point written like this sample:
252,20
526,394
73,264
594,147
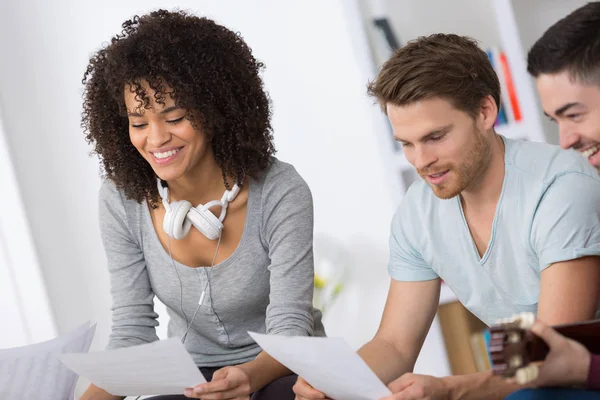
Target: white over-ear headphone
181,215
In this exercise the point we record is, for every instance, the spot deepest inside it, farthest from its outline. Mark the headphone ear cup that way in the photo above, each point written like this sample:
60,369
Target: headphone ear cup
175,222
206,222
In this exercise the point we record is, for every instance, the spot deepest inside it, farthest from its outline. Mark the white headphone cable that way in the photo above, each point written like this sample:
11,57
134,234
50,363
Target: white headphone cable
180,282
203,291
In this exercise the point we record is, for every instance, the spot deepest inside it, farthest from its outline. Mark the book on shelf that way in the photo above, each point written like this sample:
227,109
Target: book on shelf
510,107
480,345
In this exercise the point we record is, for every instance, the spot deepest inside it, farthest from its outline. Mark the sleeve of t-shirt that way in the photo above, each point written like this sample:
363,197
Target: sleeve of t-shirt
406,263
134,320
566,225
288,234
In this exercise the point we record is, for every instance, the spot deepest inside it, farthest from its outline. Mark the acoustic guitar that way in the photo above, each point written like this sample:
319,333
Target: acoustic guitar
513,347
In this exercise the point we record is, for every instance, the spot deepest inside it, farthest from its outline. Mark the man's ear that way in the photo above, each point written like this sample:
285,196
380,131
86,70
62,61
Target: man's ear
488,112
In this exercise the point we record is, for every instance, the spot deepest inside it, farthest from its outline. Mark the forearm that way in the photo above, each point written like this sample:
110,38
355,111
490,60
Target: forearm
263,370
385,359
93,392
481,385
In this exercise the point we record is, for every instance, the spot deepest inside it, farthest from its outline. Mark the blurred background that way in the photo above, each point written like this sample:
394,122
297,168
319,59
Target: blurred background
319,56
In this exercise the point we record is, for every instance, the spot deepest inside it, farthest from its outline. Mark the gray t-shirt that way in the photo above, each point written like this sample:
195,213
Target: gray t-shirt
266,285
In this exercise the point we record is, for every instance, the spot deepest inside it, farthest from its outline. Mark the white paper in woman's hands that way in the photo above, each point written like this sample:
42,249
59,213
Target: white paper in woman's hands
162,367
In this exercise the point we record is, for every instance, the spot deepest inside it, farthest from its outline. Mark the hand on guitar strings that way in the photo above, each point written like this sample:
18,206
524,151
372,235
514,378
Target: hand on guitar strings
567,363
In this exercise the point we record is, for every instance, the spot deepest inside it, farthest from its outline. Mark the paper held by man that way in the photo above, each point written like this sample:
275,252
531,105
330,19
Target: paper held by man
328,364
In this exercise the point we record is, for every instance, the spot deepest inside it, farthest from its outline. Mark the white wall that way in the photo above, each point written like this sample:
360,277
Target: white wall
535,16
14,332
24,308
474,18
317,68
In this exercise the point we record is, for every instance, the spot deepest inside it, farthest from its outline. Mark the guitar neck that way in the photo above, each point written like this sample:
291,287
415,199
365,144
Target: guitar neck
587,333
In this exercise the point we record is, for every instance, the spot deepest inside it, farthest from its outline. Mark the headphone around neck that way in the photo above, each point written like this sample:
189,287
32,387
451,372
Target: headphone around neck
181,215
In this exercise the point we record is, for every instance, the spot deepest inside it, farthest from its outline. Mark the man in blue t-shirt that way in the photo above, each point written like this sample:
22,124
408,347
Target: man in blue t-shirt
510,226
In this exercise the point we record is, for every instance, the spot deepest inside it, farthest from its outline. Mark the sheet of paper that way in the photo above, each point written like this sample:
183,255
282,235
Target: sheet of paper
162,367
35,371
328,364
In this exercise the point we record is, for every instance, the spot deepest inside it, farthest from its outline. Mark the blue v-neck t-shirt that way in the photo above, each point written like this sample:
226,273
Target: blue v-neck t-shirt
548,212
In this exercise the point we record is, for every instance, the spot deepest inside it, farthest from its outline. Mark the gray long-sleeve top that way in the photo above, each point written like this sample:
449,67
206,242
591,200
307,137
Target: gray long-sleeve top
266,285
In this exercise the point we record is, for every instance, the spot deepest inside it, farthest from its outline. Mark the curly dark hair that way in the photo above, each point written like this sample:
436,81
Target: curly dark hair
207,70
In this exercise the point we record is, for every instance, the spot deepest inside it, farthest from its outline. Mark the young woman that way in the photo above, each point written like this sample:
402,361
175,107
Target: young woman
194,208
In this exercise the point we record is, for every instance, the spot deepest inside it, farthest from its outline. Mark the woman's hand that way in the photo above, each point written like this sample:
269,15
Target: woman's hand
226,383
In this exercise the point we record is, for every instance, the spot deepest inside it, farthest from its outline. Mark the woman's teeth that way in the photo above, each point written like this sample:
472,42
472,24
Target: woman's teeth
165,154
590,151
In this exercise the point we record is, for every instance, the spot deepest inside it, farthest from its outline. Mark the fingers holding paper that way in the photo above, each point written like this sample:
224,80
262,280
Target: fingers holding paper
417,387
304,391
226,383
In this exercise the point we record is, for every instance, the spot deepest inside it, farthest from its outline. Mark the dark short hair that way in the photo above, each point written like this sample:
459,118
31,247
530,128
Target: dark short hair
448,66
572,44
207,69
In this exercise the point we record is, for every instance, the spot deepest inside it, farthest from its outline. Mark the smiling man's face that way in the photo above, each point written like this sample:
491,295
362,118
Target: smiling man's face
575,107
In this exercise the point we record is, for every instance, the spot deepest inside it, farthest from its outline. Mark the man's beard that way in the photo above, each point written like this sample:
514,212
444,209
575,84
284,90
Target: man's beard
474,163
